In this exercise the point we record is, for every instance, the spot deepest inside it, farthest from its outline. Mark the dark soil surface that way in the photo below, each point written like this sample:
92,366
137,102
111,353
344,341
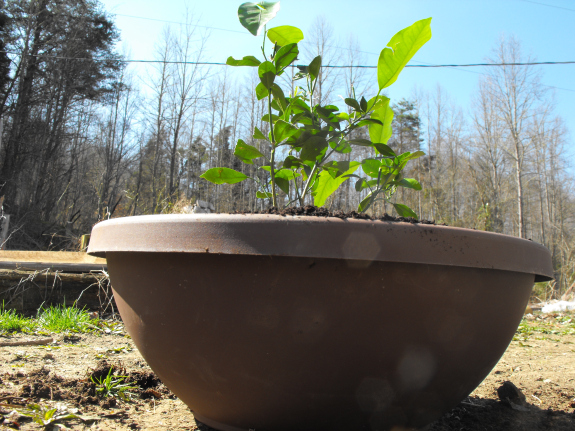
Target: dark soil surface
312,211
531,388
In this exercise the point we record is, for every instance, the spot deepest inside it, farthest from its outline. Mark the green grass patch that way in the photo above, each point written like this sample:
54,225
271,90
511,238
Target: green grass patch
11,321
61,318
58,318
545,327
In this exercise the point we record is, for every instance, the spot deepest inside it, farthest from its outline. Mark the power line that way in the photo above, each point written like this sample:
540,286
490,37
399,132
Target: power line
548,5
180,23
207,63
359,66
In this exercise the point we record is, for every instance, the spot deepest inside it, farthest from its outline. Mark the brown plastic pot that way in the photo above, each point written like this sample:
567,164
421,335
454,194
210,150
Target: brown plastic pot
302,323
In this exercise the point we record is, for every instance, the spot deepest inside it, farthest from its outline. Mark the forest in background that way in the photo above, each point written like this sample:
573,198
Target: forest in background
85,136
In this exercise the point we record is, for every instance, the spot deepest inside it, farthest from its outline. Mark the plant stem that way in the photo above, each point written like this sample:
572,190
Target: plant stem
273,153
373,195
307,184
273,150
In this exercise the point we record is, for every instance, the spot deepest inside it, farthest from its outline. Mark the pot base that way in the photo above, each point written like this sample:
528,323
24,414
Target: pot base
284,343
217,425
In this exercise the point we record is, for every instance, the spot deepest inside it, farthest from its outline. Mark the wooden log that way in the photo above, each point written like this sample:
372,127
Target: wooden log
54,260
37,342
28,290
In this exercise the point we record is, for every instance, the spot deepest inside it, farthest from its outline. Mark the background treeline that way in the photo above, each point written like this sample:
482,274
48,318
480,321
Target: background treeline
85,136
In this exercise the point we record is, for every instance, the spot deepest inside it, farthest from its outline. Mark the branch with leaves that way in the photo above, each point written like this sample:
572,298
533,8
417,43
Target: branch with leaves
308,134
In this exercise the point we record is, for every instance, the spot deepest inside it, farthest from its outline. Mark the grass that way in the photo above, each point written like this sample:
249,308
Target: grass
10,321
56,319
62,318
547,328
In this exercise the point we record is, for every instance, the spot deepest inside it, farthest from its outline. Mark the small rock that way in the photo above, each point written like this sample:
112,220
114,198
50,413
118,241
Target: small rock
48,356
512,396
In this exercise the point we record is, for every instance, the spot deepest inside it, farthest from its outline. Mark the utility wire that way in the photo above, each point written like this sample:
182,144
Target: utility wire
548,5
180,23
531,63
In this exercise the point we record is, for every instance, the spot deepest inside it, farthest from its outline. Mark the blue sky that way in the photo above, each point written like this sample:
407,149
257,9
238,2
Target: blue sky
464,31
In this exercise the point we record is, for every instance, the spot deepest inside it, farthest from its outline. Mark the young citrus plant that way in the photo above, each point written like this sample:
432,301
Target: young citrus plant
306,134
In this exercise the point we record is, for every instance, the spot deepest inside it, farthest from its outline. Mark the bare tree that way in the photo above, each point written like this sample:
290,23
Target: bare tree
488,165
186,89
515,91
159,85
321,41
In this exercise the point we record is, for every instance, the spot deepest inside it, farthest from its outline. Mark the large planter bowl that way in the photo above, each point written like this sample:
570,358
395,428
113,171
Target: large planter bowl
302,323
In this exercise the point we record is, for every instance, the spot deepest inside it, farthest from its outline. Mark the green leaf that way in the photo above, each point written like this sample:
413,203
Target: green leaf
261,91
380,133
250,60
283,130
327,115
371,167
368,122
376,102
307,167
300,75
263,195
363,104
285,56
275,105
353,103
258,134
343,116
246,153
283,184
400,49
313,149
415,155
341,147
266,118
284,35
404,211
279,96
298,105
267,74
327,185
410,183
254,16
366,202
360,184
361,142
292,162
223,176
314,68
384,150
287,174
282,177
337,169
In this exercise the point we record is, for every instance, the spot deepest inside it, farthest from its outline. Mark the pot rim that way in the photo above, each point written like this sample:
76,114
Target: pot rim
321,237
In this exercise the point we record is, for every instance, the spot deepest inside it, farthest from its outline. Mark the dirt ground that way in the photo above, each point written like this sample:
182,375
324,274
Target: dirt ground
540,363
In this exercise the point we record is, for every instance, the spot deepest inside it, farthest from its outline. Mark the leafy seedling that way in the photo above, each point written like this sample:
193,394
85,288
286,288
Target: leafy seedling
113,386
45,416
122,349
308,135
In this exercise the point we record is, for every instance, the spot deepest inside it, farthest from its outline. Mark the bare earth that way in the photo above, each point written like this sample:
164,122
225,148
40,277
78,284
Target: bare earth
540,362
